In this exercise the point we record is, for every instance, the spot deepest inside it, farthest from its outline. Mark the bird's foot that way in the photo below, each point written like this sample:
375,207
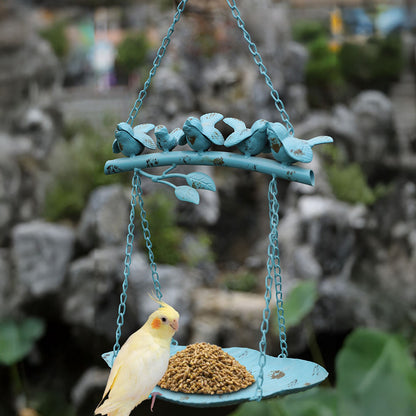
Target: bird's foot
154,395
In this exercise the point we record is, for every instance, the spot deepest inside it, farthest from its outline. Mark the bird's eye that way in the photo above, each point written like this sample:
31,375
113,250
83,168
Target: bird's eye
164,319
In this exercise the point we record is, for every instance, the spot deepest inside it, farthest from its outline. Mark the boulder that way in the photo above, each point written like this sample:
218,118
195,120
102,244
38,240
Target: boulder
226,318
105,219
41,253
92,289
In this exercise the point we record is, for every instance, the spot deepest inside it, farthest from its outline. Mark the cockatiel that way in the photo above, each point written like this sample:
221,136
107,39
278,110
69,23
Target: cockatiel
140,364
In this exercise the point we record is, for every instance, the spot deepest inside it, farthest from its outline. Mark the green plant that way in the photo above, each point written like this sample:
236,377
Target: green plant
166,235
375,375
299,302
56,36
309,30
348,180
243,281
77,167
132,52
377,63
17,339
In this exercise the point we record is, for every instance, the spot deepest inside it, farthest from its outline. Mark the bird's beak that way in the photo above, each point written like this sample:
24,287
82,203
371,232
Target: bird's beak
174,325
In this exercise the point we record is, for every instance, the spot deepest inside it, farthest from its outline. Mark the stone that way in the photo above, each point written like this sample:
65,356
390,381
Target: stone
177,285
92,291
5,282
226,318
41,253
91,380
105,219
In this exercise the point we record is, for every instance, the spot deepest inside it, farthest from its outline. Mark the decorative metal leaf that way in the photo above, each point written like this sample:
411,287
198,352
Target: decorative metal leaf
187,194
199,180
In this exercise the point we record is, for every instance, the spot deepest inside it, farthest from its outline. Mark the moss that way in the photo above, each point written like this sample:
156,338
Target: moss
242,281
349,182
77,167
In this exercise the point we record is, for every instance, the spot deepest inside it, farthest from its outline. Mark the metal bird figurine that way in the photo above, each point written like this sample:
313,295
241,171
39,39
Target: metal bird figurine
132,141
167,141
201,133
249,141
288,149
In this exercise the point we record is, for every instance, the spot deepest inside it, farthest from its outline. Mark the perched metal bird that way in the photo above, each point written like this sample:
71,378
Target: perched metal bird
201,133
167,141
288,149
132,141
249,141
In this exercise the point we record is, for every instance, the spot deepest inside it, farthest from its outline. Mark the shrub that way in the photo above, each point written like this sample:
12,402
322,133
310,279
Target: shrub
77,167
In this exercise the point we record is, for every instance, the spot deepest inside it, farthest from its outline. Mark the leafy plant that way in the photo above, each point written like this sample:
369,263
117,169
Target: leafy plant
300,302
132,52
55,35
166,235
308,31
243,281
17,338
375,376
373,64
77,167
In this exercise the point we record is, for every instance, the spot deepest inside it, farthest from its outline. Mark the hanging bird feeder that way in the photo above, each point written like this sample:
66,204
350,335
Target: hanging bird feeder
275,376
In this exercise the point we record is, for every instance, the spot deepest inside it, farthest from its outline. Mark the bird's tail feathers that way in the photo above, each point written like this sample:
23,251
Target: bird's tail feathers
320,140
110,408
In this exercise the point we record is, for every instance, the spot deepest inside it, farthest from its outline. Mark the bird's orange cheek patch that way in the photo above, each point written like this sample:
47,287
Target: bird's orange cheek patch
156,323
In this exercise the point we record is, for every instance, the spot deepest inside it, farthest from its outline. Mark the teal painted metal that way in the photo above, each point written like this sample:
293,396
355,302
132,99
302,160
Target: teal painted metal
212,158
127,263
274,375
281,376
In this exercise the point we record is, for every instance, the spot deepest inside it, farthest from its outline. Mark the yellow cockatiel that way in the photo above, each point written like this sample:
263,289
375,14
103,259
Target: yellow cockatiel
140,363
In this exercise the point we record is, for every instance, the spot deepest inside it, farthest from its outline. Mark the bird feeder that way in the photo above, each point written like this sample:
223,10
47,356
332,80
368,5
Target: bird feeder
275,376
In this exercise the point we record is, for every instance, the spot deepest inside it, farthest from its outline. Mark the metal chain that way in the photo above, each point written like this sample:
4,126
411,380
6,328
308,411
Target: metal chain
273,275
127,263
262,68
274,257
148,242
147,239
156,62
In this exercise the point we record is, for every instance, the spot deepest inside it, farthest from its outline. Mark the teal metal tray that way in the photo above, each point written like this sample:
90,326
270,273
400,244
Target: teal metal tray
281,376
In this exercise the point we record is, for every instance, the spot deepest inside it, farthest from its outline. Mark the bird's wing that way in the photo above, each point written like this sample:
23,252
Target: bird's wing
298,149
145,128
237,137
144,139
235,123
211,118
178,134
214,135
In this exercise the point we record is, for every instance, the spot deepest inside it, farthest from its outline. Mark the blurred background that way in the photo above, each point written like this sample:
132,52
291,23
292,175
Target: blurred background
71,70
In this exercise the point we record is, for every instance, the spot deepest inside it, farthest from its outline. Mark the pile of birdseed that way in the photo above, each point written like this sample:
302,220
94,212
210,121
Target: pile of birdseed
205,369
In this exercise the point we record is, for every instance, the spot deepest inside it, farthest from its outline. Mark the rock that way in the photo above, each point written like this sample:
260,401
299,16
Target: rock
29,71
295,60
365,129
92,291
105,219
225,318
297,102
5,283
177,285
41,252
92,379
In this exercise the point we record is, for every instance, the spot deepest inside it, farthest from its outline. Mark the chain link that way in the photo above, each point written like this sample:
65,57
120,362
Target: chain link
147,239
262,68
273,276
127,263
156,62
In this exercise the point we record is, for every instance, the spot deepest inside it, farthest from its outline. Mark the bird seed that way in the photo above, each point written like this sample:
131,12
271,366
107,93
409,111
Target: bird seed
204,368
